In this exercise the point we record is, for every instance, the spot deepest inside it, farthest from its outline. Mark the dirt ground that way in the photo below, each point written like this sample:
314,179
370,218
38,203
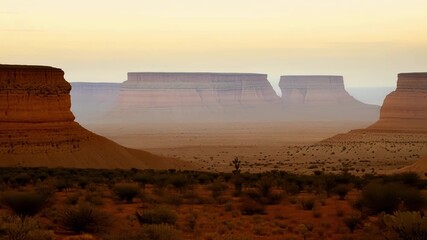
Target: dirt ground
289,146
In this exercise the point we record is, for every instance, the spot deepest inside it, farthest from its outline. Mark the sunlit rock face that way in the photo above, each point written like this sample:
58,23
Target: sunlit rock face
34,94
406,107
37,127
322,98
197,96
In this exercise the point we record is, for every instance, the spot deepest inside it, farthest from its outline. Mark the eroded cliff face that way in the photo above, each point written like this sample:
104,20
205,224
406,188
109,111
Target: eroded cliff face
322,98
196,96
34,94
406,107
37,127
195,89
315,91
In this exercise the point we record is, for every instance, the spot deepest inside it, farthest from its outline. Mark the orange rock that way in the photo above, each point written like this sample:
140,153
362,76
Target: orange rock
37,127
405,109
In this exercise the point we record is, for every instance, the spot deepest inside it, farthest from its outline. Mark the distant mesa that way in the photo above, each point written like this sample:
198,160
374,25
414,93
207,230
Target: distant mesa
405,109
322,98
163,96
92,101
197,89
216,97
37,127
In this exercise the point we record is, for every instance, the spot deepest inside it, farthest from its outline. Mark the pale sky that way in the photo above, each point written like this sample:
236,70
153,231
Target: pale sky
366,41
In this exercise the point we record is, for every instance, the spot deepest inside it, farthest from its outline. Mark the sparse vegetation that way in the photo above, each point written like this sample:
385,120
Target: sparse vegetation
180,204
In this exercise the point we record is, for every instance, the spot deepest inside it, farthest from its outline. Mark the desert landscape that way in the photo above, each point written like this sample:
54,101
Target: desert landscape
213,120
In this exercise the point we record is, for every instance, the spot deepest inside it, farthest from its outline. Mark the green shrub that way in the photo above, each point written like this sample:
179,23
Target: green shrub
83,219
179,182
126,191
157,216
407,225
387,197
19,228
25,203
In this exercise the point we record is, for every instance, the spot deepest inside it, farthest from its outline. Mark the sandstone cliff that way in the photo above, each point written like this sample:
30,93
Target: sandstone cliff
398,137
322,98
405,109
37,127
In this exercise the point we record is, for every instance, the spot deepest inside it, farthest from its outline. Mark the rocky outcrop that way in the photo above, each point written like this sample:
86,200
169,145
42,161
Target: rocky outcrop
398,137
37,127
322,98
33,94
196,97
405,109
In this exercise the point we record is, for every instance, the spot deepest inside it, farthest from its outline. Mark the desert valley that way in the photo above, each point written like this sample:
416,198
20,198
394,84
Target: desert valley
213,120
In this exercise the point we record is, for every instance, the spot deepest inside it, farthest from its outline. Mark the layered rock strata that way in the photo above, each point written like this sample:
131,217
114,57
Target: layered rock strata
37,127
322,98
405,109
398,137
150,96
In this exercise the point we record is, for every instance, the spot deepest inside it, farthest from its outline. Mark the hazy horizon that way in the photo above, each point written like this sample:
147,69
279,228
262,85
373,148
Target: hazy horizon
367,42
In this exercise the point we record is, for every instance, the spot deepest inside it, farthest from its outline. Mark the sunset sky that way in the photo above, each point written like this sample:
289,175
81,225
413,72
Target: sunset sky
367,41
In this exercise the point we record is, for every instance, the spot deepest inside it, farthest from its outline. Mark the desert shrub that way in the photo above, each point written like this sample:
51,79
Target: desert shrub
192,221
251,207
94,198
173,199
179,182
407,225
72,199
25,203
83,219
217,188
308,204
143,179
18,228
352,222
157,216
20,179
83,182
265,186
63,184
159,232
387,197
341,190
126,191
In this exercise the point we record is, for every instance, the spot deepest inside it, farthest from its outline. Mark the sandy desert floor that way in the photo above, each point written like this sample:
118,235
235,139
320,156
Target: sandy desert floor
288,146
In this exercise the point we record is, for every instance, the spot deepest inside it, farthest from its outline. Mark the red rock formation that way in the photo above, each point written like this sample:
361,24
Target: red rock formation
33,94
406,108
322,98
37,127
